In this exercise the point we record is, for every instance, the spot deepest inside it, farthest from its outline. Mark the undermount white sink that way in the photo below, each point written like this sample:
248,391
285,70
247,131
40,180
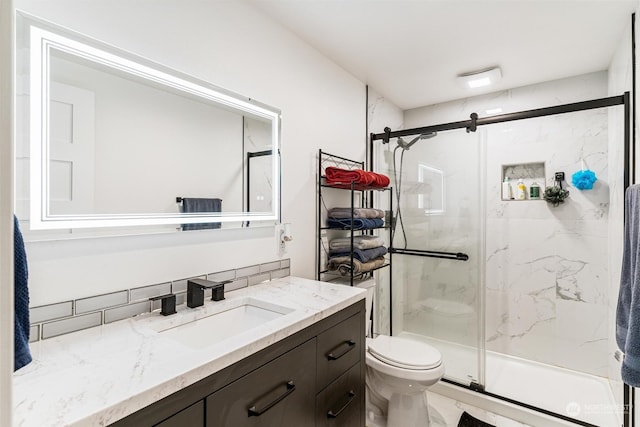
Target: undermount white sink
238,316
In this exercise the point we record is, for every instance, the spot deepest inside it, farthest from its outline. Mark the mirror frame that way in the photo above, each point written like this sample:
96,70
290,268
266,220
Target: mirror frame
41,42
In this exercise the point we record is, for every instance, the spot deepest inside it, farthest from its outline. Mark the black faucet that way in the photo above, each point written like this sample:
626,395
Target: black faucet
196,287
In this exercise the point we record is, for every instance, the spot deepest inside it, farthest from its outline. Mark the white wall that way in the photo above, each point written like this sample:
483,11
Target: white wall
231,45
6,219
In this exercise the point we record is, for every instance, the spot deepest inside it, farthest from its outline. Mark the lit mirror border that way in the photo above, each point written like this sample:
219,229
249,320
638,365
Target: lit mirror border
41,43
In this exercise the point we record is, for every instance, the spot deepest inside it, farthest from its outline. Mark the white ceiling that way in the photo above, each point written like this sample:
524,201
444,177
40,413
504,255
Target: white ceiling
410,51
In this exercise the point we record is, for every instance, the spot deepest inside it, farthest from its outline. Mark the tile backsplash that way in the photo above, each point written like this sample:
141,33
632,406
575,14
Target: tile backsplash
51,320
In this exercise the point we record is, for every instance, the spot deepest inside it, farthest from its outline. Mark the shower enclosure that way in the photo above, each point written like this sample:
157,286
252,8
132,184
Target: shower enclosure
515,294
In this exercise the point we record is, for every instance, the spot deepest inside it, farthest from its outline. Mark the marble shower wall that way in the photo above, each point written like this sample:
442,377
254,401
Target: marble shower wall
547,269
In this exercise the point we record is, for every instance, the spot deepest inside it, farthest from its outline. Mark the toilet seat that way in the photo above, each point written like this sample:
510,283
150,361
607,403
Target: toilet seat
404,353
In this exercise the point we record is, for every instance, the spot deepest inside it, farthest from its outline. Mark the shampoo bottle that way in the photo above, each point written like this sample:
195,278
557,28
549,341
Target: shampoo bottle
521,194
506,189
534,191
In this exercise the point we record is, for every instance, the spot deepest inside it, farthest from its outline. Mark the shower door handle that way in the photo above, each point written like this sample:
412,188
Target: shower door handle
457,256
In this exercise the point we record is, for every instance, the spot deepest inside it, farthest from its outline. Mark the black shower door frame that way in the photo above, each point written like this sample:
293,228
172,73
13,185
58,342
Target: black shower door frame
471,125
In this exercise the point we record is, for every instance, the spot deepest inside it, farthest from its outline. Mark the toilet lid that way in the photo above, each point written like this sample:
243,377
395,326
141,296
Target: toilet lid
404,353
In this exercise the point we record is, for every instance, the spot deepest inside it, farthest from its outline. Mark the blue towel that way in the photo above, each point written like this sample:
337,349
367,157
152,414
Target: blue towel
199,205
628,311
358,223
362,255
22,354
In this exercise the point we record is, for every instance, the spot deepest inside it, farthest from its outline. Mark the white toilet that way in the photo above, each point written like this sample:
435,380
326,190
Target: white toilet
399,371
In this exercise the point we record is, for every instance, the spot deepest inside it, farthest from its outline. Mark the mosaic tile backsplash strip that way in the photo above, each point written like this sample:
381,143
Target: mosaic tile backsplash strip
51,320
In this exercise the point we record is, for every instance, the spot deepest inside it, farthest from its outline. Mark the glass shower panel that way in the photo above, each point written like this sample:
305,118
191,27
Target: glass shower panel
438,208
548,283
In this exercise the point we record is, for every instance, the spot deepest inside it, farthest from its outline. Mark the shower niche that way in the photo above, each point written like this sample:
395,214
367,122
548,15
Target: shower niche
530,174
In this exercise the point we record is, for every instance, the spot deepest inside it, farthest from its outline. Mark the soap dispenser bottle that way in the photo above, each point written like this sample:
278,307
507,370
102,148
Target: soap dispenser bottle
506,189
521,193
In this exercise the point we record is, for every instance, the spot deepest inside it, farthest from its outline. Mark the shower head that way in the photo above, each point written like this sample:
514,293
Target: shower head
406,145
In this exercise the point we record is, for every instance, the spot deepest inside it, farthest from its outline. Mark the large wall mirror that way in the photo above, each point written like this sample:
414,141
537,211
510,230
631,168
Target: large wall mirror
108,139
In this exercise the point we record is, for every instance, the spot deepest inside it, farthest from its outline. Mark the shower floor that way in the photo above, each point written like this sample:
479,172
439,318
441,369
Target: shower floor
582,396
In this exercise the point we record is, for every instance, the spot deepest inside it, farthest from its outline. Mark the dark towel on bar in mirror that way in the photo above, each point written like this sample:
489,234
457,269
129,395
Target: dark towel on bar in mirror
358,223
201,205
362,255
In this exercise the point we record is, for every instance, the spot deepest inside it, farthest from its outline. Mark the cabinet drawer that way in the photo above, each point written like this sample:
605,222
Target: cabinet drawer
280,393
341,404
192,416
339,348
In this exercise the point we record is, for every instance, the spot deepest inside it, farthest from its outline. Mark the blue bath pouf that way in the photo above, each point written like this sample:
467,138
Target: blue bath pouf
583,179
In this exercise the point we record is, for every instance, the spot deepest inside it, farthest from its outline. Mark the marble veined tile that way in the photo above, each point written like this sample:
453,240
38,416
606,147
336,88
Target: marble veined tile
582,337
514,315
530,255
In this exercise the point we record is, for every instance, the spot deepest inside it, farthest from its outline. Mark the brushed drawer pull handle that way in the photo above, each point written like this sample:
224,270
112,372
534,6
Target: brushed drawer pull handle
350,396
350,345
253,412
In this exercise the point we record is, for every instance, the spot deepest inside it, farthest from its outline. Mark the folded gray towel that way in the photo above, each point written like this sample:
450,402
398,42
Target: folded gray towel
343,265
359,242
362,255
357,213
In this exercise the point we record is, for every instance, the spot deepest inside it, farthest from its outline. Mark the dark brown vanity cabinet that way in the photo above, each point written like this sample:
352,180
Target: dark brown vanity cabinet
280,393
191,416
314,377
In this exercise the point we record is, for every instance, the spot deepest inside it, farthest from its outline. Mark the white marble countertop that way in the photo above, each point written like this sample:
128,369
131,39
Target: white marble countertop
100,375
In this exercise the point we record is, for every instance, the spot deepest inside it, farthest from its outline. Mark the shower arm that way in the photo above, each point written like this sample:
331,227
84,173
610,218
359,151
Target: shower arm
457,256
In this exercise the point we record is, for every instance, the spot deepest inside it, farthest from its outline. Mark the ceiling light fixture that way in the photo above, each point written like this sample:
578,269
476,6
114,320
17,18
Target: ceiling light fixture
478,79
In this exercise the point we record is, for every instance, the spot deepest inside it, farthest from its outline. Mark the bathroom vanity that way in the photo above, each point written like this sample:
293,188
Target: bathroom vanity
301,363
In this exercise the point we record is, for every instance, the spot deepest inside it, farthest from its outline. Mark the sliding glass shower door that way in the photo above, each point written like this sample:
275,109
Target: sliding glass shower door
438,230
552,271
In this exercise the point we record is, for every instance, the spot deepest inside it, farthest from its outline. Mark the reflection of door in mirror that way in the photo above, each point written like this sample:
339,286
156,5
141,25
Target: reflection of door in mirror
71,162
72,135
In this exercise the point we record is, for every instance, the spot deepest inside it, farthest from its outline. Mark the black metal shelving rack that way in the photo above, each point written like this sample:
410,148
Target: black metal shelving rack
325,160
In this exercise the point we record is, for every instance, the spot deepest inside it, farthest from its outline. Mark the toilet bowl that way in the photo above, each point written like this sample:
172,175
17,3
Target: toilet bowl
399,371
